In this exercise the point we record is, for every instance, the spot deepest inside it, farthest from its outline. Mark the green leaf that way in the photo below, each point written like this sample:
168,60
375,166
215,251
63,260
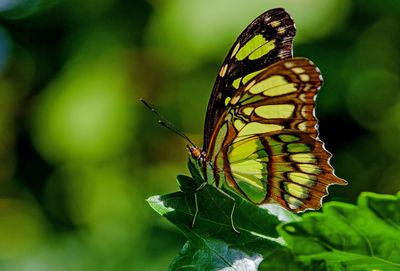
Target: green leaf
343,236
349,237
284,260
212,243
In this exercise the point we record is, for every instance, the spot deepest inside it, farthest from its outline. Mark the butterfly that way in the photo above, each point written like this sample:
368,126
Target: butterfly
261,133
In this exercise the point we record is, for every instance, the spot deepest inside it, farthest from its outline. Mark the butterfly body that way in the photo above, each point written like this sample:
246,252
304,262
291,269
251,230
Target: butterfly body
261,139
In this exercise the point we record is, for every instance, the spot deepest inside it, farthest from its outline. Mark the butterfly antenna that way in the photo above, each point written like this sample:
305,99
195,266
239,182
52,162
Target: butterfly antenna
165,123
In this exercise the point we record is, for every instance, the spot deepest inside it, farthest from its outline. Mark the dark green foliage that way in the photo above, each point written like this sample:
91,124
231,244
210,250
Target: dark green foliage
365,236
343,236
80,154
212,243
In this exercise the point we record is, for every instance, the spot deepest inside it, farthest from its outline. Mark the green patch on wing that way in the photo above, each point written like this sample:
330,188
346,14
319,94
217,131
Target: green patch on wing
297,147
255,48
248,163
288,138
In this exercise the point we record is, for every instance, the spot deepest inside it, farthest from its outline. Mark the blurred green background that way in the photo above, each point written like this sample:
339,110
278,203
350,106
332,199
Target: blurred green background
79,153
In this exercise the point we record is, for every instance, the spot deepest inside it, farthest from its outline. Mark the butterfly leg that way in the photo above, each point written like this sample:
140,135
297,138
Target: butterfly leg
202,185
233,208
196,203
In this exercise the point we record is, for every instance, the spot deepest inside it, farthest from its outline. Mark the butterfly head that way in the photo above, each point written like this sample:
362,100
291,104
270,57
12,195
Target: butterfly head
196,152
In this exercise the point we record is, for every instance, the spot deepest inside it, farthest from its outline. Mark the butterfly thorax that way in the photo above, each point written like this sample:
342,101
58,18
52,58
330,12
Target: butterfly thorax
199,157
209,173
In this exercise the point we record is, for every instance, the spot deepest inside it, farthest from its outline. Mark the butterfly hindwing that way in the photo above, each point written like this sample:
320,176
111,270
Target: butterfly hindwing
266,141
290,168
265,41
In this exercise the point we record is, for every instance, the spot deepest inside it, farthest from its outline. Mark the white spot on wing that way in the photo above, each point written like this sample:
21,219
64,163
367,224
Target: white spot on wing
235,50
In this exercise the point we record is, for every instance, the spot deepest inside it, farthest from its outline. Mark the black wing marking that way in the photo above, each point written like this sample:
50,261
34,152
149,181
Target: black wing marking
274,25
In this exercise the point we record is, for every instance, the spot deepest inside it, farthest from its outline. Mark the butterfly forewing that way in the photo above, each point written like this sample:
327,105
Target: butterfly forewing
266,142
265,41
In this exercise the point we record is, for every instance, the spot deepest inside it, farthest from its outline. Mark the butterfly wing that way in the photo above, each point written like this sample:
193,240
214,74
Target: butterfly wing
265,41
266,144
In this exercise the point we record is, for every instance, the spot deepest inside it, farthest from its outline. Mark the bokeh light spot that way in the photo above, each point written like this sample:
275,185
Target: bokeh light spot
85,112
